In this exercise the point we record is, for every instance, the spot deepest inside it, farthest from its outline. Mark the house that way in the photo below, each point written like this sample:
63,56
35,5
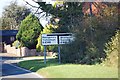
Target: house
7,37
96,7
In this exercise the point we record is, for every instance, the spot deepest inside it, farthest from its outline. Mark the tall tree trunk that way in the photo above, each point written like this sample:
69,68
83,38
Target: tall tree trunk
91,9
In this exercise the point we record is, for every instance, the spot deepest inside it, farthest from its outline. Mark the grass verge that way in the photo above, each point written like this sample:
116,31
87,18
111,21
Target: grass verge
54,70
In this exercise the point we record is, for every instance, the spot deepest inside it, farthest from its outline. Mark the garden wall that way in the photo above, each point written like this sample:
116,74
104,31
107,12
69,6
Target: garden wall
20,52
24,51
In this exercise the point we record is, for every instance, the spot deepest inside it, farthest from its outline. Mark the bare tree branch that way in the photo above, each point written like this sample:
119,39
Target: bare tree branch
42,15
37,10
30,4
34,1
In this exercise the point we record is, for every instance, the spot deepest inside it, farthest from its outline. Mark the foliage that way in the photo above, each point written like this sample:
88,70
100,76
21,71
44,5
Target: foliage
88,45
91,35
48,29
13,14
66,12
112,50
91,32
57,3
82,53
39,45
16,44
30,29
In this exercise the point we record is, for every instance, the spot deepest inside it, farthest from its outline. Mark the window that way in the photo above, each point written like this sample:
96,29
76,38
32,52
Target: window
12,38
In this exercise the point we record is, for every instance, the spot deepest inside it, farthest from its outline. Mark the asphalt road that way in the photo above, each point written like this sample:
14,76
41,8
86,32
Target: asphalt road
11,70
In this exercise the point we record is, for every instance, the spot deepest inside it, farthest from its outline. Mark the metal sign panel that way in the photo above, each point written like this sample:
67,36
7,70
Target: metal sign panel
49,40
57,38
65,39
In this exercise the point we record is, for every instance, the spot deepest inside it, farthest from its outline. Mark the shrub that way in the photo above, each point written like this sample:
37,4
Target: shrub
79,52
112,50
91,36
16,44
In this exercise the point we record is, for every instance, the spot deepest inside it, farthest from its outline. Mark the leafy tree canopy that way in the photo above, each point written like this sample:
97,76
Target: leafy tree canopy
30,29
66,12
13,14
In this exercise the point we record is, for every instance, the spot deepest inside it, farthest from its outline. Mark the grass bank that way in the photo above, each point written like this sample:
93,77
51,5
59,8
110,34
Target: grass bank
54,70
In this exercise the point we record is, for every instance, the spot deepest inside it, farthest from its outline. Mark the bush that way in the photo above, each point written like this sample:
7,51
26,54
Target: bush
16,44
80,52
112,50
91,36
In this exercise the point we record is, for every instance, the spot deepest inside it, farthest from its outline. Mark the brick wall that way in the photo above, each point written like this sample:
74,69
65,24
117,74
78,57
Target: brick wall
20,52
24,51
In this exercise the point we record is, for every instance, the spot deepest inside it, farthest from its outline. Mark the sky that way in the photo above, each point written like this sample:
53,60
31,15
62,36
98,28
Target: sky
4,3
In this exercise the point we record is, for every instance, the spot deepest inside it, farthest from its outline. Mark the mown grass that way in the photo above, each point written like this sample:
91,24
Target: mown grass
35,65
78,71
54,70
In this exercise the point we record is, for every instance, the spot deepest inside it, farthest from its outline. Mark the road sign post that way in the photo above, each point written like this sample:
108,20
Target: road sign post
44,54
59,54
56,39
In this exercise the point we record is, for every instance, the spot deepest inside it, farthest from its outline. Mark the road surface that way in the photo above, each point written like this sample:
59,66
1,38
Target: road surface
11,70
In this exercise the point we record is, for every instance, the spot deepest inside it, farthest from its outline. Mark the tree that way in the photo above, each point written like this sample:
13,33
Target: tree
29,31
70,13
13,14
91,32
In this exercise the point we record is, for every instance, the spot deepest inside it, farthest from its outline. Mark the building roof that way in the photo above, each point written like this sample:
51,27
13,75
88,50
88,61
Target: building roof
8,32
